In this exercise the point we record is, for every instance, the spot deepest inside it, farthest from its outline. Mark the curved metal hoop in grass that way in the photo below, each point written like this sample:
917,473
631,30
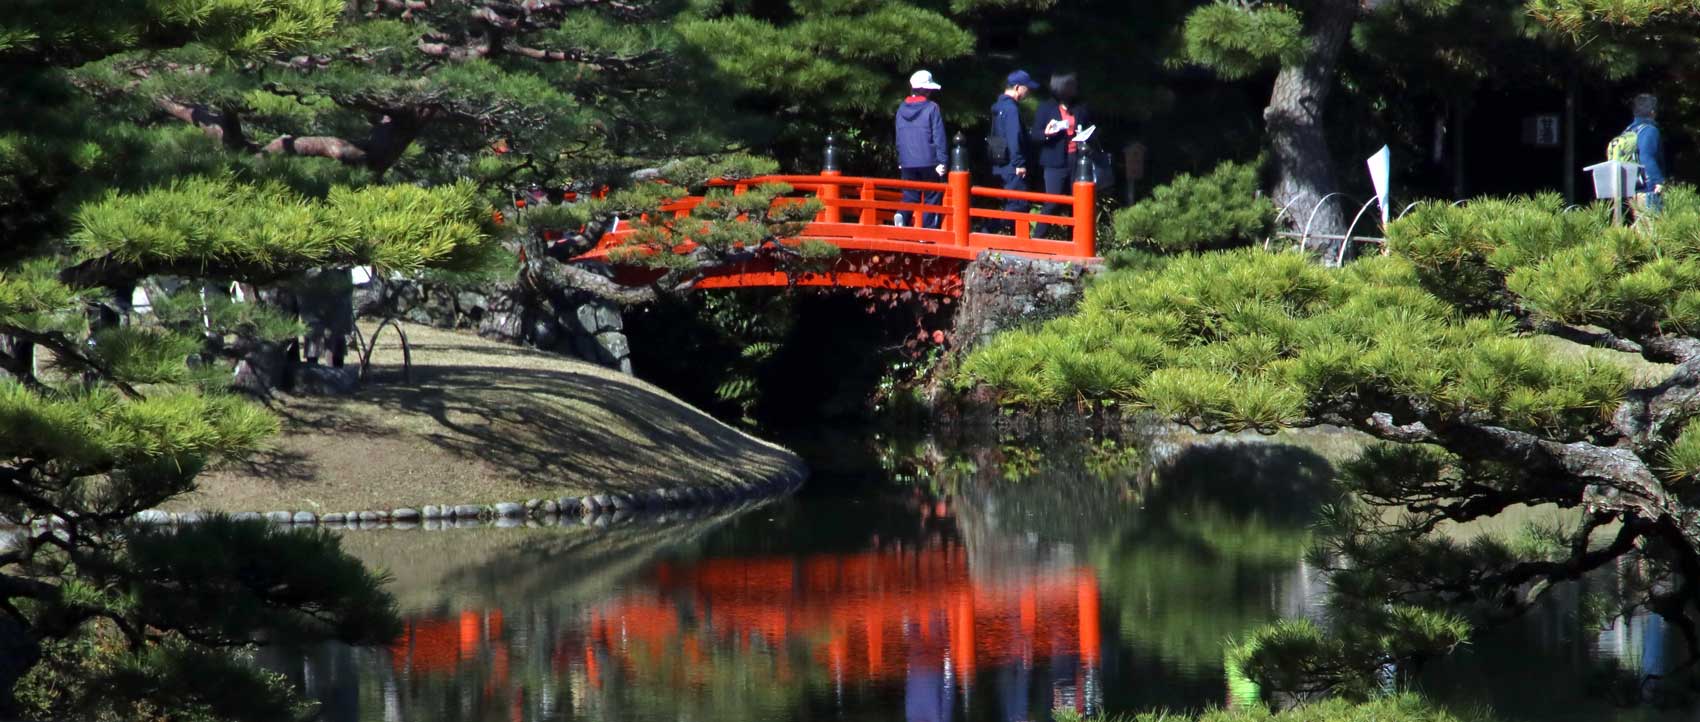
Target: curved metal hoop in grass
366,347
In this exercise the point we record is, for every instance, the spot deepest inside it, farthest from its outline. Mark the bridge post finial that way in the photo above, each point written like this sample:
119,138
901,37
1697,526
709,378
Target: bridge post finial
829,160
959,152
1083,170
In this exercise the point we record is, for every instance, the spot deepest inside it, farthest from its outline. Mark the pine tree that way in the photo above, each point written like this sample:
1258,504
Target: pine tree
813,67
103,417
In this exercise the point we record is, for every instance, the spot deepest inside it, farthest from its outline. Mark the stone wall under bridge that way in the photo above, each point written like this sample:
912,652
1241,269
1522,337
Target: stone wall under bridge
574,324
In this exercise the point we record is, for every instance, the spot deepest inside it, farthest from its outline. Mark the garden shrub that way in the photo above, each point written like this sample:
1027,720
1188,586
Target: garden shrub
1218,210
1395,708
1535,256
1250,339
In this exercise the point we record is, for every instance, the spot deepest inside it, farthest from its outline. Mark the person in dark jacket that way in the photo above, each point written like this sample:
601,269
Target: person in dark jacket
1650,153
921,144
1006,141
1054,127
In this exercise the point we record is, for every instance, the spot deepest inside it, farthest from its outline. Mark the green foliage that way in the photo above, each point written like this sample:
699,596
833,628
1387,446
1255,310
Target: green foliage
1296,657
92,677
1393,708
1681,460
1237,39
39,29
32,297
726,221
94,431
1568,266
1217,210
222,225
190,311
734,338
256,581
844,56
145,355
1578,16
1249,339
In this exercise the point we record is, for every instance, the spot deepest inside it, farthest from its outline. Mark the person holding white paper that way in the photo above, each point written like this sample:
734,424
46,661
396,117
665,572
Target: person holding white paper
1057,133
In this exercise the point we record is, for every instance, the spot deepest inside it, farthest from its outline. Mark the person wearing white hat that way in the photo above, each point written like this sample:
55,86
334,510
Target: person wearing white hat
921,144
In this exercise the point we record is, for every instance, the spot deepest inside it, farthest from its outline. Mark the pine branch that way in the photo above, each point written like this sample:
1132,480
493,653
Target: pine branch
70,354
223,126
547,274
614,63
440,46
321,146
1650,415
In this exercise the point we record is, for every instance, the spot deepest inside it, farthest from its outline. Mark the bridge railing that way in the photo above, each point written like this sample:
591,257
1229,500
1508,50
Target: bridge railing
862,210
859,212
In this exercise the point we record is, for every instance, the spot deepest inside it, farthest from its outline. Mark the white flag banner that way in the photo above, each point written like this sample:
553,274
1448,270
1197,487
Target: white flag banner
1381,173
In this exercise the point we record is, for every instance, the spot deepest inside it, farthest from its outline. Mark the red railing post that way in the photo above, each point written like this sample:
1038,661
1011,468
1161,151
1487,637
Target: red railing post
1085,207
960,201
961,190
828,195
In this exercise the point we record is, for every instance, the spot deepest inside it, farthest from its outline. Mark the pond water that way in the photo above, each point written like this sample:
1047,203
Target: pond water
914,582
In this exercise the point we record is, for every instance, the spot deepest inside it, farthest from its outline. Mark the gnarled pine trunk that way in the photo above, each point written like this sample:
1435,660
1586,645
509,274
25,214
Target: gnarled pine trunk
1294,121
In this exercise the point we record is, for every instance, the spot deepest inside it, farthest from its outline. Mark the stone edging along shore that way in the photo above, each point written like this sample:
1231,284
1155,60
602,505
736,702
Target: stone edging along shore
593,509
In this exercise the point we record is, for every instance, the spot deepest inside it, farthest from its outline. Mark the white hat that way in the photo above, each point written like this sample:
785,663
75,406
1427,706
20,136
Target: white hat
923,80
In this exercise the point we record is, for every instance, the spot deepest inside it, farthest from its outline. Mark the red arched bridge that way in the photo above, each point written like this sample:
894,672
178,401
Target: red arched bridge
857,216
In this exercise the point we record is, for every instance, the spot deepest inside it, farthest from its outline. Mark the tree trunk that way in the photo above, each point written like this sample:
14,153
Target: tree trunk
1569,169
17,359
1460,180
1294,120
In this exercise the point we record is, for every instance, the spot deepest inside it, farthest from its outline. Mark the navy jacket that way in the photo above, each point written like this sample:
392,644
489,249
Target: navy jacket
1006,124
1053,151
920,135
1650,148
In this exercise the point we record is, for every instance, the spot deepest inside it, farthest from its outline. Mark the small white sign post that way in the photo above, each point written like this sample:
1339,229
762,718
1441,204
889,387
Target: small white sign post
1381,174
1614,180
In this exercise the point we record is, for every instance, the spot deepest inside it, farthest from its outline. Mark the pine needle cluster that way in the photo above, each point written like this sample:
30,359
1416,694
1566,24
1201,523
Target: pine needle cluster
1254,340
1192,213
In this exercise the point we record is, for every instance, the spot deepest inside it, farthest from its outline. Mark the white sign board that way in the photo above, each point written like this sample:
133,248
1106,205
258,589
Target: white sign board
1614,180
1381,173
1541,130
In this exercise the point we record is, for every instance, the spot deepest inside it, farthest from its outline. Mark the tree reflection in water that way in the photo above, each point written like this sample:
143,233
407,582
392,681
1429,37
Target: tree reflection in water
984,583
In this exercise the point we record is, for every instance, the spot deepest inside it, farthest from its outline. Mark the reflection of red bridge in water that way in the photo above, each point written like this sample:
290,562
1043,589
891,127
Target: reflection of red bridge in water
857,217
879,616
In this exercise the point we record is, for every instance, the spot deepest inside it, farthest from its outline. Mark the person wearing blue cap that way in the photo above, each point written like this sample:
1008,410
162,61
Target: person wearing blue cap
1003,146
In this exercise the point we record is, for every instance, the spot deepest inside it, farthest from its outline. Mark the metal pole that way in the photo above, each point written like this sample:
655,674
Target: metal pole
829,159
1616,194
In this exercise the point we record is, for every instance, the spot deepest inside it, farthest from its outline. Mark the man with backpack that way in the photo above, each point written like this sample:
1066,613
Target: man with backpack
1641,144
921,144
1003,146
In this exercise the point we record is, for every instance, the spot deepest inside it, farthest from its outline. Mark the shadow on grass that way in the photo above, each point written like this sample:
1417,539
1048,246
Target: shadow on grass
276,465
539,424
